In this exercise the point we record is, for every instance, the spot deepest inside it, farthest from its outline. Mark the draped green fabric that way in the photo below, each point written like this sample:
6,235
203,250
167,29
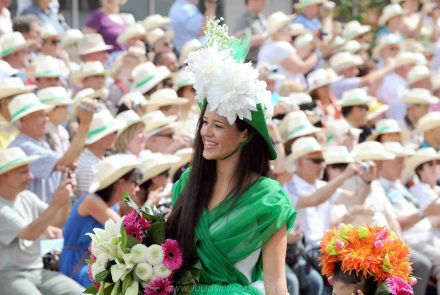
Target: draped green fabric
226,235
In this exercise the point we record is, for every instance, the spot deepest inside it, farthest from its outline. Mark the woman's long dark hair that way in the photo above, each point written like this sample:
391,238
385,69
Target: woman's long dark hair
368,285
106,193
254,158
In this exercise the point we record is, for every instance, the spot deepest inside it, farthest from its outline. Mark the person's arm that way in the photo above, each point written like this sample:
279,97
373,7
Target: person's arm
274,260
408,221
294,64
98,209
280,161
377,75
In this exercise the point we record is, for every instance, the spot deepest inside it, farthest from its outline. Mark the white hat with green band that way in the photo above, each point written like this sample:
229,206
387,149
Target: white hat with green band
103,124
296,124
25,104
182,79
12,42
386,126
129,118
165,97
305,3
54,96
13,86
357,96
89,69
46,66
146,75
301,147
14,157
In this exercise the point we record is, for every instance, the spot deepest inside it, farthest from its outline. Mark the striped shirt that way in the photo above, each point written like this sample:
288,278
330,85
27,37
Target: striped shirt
86,171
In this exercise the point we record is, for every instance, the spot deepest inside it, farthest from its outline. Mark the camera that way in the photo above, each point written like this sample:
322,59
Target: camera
365,167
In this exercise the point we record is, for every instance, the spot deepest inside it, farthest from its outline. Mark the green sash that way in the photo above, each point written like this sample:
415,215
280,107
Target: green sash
226,236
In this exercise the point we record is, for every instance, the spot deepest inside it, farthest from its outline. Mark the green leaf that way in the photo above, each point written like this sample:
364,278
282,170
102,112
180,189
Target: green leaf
90,290
382,290
129,201
109,289
153,211
115,290
124,239
185,278
102,276
131,241
88,261
157,232
127,282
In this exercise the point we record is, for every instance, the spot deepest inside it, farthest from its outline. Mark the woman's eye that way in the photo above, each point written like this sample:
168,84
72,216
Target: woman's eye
218,126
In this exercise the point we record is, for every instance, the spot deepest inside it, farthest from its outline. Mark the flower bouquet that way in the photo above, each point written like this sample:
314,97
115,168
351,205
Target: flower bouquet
132,256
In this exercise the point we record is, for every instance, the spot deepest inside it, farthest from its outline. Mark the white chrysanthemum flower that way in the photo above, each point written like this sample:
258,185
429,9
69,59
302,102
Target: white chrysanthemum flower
97,268
144,271
161,271
154,255
139,253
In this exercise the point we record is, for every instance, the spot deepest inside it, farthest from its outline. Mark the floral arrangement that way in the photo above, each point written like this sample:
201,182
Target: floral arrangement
369,251
231,88
132,256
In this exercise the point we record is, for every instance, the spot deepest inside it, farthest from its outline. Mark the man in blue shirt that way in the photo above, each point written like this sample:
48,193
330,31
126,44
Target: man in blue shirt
309,14
47,13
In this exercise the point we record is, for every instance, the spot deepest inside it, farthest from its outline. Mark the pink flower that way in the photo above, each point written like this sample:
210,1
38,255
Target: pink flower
173,257
340,245
330,280
382,235
89,272
413,281
378,244
134,224
159,286
397,286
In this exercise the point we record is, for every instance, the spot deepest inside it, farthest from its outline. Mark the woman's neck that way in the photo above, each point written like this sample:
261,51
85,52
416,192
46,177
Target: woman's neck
225,169
110,9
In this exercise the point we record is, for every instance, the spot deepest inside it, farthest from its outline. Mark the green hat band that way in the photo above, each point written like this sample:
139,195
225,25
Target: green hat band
53,99
358,100
10,50
98,130
10,163
143,82
183,83
50,72
297,129
24,109
387,130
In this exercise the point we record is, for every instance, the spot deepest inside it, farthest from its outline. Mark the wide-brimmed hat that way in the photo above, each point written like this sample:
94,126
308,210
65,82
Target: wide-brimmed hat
54,96
103,124
7,71
421,156
132,31
71,37
320,78
301,147
303,40
390,11
47,66
304,3
276,21
182,79
296,124
387,40
132,100
156,121
14,157
13,86
185,155
165,97
344,60
337,155
12,42
376,109
155,21
155,164
146,75
386,126
357,96
155,35
419,96
48,31
88,69
371,151
89,93
338,127
397,149
352,47
429,121
335,45
25,104
190,46
297,29
405,58
354,29
91,43
417,73
128,118
111,169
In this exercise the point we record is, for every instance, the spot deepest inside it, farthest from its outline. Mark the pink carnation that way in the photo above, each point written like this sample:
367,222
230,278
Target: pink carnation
397,286
172,253
378,244
89,272
134,224
340,245
382,235
159,286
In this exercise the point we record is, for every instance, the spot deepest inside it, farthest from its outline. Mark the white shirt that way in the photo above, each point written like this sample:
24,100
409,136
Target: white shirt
86,170
59,136
390,92
425,194
313,221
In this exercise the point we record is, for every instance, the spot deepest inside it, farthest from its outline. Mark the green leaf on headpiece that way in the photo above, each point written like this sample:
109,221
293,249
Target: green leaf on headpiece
386,264
331,249
382,290
363,232
344,231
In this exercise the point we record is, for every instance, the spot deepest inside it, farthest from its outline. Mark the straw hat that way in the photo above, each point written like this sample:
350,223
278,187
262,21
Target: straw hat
155,35
303,40
376,109
7,71
13,86
337,155
277,21
354,29
435,80
14,157
88,69
132,100
156,121
191,45
155,21
419,96
338,127
352,47
320,78
421,156
390,11
397,149
155,164
165,97
387,40
47,66
405,58
25,104
71,37
48,31
305,3
417,73
102,125
429,121
128,118
54,96
10,43
357,96
91,43
185,155
132,31
89,93
296,124
371,151
386,126
301,147
297,98
344,60
146,75
336,44
182,79
111,169
297,29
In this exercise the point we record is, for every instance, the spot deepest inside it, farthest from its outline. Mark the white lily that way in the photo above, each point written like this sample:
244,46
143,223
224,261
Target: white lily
97,268
133,289
119,271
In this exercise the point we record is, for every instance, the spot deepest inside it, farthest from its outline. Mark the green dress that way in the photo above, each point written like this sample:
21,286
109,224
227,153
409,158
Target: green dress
228,237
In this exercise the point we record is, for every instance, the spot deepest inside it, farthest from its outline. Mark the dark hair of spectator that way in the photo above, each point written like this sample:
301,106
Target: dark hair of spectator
346,111
22,23
368,286
106,193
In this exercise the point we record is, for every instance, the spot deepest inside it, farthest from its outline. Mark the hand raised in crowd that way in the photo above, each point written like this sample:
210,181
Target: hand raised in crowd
63,194
432,209
180,141
359,215
369,173
84,116
53,232
350,171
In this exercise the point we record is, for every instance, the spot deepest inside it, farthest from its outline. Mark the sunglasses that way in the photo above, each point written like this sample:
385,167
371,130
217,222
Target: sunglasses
169,135
53,42
316,161
339,166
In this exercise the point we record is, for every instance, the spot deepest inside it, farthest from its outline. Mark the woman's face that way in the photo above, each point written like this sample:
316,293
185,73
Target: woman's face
219,138
428,173
110,3
341,288
137,143
59,114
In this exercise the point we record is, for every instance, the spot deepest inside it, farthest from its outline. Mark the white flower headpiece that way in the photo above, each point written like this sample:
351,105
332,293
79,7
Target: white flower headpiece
232,89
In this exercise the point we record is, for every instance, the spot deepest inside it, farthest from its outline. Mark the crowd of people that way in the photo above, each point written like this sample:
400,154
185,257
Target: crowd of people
88,114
